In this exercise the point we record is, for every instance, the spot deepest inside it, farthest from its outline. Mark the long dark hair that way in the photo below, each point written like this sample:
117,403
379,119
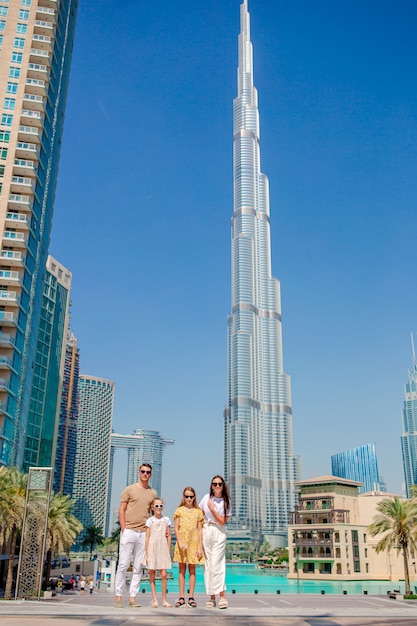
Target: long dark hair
225,492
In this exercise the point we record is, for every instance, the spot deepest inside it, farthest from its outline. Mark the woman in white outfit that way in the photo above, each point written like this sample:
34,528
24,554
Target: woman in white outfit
216,507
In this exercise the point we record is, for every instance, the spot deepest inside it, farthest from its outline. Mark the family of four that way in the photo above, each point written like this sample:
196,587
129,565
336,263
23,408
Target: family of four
146,540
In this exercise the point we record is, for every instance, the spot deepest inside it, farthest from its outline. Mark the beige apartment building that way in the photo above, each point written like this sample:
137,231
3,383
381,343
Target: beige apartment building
328,536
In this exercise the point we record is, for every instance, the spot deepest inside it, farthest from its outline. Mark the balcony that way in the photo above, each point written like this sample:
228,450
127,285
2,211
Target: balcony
32,102
7,318
42,42
336,516
316,554
38,55
37,70
4,384
21,184
17,240
46,13
7,340
25,150
48,3
18,202
36,86
10,298
23,167
10,277
34,118
28,134
315,504
42,27
5,362
313,541
17,220
12,258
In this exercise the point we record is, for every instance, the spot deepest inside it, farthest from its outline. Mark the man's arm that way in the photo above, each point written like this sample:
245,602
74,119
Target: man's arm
122,515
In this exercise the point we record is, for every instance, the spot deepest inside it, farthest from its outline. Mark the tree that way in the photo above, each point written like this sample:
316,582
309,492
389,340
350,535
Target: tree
93,537
396,521
12,506
62,528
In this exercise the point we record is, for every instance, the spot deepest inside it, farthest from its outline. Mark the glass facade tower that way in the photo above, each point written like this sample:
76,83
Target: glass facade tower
358,464
36,40
48,368
259,463
409,436
66,446
92,460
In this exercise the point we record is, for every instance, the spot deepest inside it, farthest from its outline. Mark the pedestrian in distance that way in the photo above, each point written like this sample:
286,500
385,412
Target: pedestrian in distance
217,508
135,503
82,585
188,526
91,587
158,545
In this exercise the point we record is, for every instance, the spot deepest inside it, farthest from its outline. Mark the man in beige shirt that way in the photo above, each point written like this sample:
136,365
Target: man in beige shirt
135,504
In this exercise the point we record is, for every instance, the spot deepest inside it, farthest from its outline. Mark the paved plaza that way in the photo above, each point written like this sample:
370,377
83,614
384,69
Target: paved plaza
74,609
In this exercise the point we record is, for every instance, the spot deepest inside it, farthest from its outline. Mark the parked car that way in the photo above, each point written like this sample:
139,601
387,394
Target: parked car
63,582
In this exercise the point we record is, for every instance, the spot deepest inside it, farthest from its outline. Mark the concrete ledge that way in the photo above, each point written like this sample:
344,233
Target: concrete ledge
395,596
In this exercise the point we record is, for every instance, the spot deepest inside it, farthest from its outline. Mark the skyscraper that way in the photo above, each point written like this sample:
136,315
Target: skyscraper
36,39
409,436
92,461
143,446
359,464
48,368
67,428
259,463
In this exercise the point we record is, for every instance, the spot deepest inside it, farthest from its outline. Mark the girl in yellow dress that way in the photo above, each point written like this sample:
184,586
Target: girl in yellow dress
188,526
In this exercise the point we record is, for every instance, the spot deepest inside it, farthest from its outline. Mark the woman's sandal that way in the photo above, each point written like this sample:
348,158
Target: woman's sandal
210,604
223,604
192,602
180,602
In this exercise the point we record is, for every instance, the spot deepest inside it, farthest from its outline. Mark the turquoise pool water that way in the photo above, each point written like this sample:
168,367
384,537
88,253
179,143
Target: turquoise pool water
251,579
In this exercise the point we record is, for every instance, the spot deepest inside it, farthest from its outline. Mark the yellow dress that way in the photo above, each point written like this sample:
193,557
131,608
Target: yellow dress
187,529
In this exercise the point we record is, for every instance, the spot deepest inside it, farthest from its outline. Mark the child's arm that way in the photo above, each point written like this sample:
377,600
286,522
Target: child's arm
169,535
180,543
148,534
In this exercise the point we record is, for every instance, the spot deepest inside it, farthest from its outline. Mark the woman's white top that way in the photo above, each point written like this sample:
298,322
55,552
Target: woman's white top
219,508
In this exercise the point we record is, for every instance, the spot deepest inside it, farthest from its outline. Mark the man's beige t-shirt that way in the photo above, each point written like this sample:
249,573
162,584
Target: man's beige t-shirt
138,504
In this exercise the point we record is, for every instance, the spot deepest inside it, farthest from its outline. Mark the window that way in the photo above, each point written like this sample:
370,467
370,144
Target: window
1,39
23,14
2,25
26,3
5,135
9,103
3,154
6,120
14,72
19,42
3,10
21,29
17,57
11,87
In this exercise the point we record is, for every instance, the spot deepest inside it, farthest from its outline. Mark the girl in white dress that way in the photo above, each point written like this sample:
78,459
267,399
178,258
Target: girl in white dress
158,544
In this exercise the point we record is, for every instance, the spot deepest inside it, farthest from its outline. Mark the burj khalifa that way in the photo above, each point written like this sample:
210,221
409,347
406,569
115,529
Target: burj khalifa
260,466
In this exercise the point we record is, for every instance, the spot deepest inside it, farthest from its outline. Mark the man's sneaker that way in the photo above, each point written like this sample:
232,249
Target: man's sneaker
134,604
118,604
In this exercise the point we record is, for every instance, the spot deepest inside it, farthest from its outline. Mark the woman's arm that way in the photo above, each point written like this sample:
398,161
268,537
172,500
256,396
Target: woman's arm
220,519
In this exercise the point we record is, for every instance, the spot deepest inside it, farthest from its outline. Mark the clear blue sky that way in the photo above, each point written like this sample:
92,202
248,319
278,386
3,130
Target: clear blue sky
144,200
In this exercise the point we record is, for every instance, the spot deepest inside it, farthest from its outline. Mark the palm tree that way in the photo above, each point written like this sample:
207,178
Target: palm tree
397,521
62,528
12,506
93,536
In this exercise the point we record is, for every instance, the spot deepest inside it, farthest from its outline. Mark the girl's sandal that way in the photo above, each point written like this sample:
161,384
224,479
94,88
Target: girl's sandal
180,602
223,604
192,602
211,604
